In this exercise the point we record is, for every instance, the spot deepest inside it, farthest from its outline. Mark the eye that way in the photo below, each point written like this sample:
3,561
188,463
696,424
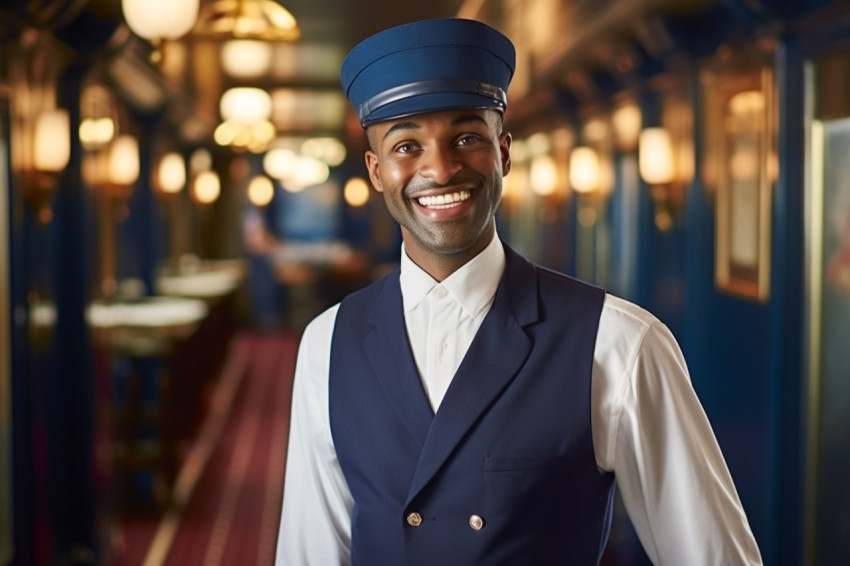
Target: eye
468,139
405,147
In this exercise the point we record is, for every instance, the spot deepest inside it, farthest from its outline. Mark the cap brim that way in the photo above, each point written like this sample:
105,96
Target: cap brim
434,102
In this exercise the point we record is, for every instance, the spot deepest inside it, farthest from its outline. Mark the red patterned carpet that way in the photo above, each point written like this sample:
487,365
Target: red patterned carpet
228,493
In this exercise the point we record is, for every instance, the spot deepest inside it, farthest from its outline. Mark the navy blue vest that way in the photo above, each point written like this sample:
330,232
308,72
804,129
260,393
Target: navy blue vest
511,442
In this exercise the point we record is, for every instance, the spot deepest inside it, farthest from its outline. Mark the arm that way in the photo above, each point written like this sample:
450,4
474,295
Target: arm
315,520
670,471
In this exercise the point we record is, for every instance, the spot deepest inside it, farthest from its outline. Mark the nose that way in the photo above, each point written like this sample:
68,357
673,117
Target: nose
440,164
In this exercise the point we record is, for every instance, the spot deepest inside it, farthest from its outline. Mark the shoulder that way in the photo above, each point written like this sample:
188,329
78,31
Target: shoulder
623,319
314,348
631,342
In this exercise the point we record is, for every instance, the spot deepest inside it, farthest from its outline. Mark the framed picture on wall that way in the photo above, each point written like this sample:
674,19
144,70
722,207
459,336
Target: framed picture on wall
741,167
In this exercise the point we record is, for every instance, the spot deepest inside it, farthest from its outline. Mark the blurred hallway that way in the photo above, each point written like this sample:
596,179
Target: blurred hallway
227,495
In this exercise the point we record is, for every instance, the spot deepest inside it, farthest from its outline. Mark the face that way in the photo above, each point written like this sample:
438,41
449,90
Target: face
441,176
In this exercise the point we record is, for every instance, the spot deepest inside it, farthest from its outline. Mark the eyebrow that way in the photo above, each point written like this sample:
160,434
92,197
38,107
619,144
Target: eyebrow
403,126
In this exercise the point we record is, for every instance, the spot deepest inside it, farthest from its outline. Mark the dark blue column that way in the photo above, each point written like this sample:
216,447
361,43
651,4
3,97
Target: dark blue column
786,327
70,387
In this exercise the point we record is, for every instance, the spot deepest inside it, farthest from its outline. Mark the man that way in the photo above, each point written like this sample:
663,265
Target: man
473,408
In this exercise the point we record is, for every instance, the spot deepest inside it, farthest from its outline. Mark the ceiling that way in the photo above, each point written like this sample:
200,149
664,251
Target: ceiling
303,79
560,41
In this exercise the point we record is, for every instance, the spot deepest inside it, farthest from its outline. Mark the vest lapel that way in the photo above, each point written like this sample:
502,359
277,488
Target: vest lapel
388,350
494,358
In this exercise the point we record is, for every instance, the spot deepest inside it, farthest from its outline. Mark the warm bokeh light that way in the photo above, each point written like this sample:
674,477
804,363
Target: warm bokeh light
260,190
748,102
594,130
207,187
544,175
246,58
329,150
278,163
245,105
538,144
627,122
744,164
52,141
96,132
585,171
307,172
171,174
655,156
356,192
519,151
123,168
154,19
201,160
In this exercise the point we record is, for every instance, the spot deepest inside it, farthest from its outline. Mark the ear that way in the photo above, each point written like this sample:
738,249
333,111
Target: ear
372,167
505,151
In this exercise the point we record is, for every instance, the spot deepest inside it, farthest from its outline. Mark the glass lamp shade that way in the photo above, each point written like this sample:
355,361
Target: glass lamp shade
157,19
246,57
123,168
655,156
627,121
246,105
544,175
52,141
585,171
171,175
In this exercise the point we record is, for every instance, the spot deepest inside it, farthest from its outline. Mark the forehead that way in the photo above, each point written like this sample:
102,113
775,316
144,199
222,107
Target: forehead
448,119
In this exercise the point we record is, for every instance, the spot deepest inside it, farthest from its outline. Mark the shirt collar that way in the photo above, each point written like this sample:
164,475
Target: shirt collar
473,285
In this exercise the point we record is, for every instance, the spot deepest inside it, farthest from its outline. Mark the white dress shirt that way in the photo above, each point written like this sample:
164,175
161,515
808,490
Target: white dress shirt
648,426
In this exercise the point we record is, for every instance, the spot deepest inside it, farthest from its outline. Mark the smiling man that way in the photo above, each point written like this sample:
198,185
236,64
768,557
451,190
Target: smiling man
471,407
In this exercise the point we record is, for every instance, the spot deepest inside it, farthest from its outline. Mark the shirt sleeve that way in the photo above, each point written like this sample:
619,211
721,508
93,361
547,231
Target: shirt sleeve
674,482
315,522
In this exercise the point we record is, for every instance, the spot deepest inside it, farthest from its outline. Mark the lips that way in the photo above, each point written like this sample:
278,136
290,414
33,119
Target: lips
439,202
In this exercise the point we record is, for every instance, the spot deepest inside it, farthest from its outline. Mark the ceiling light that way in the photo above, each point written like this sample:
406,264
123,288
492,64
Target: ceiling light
245,105
246,19
246,58
160,19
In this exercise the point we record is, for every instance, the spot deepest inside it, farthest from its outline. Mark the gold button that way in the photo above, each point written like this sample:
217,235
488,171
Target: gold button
476,522
414,519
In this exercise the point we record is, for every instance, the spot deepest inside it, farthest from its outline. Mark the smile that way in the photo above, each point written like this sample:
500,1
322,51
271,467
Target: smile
443,201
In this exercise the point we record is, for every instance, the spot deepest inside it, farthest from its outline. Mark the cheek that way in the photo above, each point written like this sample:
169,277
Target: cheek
392,175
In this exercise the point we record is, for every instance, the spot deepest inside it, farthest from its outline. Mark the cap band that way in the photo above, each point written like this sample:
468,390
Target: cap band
459,86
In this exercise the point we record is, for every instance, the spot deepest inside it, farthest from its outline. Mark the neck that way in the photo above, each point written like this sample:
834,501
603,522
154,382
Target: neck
441,266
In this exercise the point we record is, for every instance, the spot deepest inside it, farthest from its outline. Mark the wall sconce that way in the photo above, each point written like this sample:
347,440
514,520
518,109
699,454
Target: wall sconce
122,171
657,164
544,175
207,187
51,151
627,121
113,170
585,170
171,173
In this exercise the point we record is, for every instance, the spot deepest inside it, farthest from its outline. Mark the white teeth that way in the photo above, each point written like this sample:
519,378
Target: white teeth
443,201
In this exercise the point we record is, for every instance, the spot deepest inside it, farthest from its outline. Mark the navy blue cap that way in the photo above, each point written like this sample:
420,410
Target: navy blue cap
426,66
